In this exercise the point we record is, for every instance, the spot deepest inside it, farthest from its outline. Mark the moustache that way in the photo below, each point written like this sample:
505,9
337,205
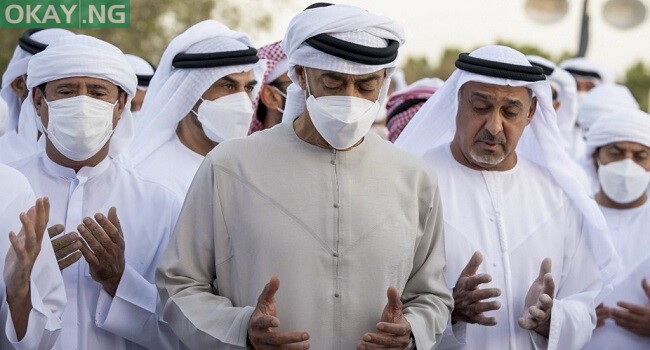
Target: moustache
486,136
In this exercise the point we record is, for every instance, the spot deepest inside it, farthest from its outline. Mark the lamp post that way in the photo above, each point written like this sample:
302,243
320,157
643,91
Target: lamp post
622,14
584,30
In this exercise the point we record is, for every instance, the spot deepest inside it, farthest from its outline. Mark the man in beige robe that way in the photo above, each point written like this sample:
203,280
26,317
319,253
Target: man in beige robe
351,225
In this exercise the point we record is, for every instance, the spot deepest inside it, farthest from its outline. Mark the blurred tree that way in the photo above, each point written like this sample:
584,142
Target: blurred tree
447,63
155,22
637,79
526,49
417,68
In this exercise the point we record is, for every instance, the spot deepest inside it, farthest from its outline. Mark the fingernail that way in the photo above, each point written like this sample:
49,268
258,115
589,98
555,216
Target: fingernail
99,216
87,221
305,336
380,326
367,338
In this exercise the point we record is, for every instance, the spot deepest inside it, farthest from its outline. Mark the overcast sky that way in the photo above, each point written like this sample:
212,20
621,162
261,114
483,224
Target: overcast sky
432,25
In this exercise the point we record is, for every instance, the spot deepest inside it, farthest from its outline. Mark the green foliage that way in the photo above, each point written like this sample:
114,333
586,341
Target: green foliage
419,67
526,49
155,22
637,79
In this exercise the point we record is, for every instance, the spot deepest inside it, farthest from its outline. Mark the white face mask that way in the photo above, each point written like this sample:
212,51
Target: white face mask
228,117
4,118
623,181
581,96
341,120
79,126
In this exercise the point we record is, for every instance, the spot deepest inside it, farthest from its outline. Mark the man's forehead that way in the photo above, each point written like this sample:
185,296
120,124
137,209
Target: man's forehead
81,80
495,91
346,76
239,76
628,146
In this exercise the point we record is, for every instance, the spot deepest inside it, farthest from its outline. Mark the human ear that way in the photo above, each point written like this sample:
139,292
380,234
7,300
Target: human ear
270,98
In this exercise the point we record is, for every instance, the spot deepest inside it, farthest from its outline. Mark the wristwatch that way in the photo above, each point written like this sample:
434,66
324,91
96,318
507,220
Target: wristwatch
412,343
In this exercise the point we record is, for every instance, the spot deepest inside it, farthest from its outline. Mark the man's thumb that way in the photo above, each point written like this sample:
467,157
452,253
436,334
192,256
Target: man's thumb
268,294
646,287
394,304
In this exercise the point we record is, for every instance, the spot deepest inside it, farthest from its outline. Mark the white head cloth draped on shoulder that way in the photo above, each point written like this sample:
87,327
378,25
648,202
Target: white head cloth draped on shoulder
84,56
174,90
30,43
348,24
435,125
567,92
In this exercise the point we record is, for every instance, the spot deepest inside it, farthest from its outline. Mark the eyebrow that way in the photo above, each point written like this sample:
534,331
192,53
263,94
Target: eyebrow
66,85
623,149
487,97
342,77
335,76
97,86
370,77
481,95
251,82
515,103
228,80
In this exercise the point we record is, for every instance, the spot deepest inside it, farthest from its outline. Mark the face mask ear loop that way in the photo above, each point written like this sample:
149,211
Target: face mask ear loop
279,91
304,70
196,113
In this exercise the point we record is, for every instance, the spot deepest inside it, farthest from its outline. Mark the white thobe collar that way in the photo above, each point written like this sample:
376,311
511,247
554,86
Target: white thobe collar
61,171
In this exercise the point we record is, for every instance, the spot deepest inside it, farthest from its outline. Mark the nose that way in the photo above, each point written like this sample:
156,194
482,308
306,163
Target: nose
493,123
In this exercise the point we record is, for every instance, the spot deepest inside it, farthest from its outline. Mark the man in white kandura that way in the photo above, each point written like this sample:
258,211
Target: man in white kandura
144,71
21,134
513,208
199,96
32,291
619,145
351,275
80,88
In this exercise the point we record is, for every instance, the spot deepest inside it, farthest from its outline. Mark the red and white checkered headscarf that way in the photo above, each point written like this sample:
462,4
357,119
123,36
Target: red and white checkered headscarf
276,65
420,90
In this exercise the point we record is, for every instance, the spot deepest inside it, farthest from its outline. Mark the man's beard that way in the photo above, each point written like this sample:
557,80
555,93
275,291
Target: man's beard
491,160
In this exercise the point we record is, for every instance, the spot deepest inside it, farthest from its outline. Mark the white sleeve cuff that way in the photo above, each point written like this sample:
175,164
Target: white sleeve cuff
238,332
134,302
36,323
454,335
